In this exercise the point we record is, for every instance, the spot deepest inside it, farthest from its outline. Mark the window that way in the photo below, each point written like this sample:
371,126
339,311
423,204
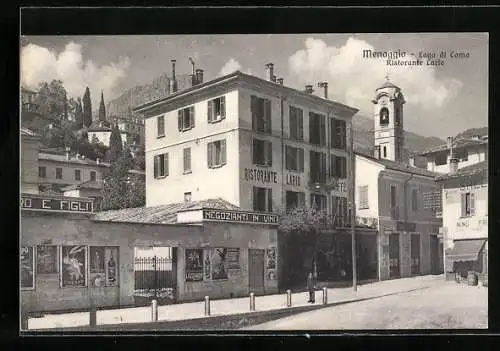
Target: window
216,152
59,173
296,123
414,199
384,116
294,199
185,119
78,174
461,154
103,266
160,123
217,109
317,129
441,158
319,201
42,172
261,114
294,159
339,211
317,164
187,197
338,166
338,134
468,204
92,176
363,197
385,151
262,152
394,208
187,160
262,199
161,166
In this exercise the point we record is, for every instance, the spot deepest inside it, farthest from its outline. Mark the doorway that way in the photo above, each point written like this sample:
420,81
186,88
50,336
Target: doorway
394,271
435,261
415,254
256,271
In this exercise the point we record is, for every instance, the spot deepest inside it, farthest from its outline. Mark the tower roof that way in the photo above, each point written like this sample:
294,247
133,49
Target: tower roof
387,84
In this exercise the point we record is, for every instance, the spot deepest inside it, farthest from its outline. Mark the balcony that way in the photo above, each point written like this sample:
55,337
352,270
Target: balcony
395,212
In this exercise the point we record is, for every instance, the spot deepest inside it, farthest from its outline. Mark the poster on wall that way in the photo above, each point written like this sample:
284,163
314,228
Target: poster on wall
74,263
271,258
111,266
233,258
206,265
219,268
271,274
27,267
96,259
194,265
46,258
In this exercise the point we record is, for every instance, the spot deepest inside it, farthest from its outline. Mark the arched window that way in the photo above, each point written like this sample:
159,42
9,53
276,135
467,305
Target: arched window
384,116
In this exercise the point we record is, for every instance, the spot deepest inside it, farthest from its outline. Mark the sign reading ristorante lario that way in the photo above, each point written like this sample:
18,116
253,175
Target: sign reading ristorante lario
45,203
239,216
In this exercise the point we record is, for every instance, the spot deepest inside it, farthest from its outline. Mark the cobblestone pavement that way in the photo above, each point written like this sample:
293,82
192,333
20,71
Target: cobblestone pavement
233,306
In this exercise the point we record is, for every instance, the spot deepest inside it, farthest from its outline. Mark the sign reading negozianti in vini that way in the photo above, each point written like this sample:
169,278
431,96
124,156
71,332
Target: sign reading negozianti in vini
52,204
239,216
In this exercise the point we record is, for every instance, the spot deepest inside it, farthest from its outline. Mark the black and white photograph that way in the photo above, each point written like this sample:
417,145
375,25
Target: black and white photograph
254,182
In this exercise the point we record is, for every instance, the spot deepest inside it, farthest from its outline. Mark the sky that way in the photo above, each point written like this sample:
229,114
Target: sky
442,100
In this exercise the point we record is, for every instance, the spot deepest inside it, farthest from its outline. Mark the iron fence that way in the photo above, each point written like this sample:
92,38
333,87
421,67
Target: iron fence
154,276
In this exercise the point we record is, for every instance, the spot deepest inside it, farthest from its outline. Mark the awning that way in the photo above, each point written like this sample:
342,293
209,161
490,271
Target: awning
465,250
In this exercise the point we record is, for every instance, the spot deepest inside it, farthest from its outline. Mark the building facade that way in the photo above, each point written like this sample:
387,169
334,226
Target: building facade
30,143
465,219
134,128
100,132
258,144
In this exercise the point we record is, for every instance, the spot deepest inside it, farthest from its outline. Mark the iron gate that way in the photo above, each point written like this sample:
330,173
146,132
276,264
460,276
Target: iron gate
155,277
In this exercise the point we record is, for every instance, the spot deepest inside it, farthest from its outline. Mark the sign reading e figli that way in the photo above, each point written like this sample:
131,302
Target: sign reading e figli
58,205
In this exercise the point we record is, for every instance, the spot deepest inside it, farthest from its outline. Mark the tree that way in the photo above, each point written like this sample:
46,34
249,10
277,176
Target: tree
115,144
87,108
65,106
102,109
100,149
51,98
84,148
79,114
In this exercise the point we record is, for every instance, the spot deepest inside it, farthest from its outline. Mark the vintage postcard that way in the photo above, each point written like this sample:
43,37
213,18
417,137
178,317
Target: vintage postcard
254,182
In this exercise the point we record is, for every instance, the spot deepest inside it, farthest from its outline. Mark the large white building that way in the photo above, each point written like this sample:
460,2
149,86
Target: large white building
256,143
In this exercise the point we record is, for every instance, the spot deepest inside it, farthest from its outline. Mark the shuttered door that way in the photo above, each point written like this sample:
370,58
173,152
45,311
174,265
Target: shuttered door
256,271
394,255
415,254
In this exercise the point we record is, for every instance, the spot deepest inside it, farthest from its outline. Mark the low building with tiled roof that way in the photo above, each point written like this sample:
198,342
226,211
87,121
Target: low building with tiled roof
100,131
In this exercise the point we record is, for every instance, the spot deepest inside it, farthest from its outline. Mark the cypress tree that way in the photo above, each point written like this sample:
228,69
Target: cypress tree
87,108
79,114
115,144
65,106
102,109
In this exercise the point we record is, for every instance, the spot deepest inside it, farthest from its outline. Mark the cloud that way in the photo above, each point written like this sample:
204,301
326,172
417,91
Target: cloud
353,79
41,64
229,67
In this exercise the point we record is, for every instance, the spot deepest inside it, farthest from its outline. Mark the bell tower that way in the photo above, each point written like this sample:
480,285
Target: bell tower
388,122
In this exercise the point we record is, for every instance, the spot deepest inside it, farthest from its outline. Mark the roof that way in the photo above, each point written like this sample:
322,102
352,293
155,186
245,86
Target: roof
399,166
135,171
27,132
89,185
459,143
465,250
163,214
62,158
476,168
235,76
388,84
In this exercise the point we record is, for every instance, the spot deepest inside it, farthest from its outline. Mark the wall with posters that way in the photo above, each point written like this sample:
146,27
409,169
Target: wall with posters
69,261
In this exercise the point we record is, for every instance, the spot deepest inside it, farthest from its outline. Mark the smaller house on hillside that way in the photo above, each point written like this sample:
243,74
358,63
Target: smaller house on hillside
100,131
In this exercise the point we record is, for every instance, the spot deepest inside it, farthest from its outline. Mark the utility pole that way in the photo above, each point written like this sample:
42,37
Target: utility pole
352,206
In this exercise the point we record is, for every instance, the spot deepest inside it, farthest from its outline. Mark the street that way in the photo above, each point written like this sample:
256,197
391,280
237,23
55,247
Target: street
447,305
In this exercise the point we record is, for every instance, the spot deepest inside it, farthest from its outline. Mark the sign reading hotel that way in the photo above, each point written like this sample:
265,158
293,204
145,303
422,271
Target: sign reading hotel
38,203
239,217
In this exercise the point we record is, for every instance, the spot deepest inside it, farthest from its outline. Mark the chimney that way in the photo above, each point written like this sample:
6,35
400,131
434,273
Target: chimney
324,85
199,76
68,154
173,80
453,165
376,152
280,81
270,72
309,89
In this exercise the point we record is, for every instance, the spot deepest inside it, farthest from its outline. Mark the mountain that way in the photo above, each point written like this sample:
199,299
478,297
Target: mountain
363,126
473,132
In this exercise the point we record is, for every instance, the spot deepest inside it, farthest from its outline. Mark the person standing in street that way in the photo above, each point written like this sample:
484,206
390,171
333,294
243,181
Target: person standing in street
310,288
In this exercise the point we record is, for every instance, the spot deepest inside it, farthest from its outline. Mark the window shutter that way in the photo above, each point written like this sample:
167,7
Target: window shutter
255,198
293,123
179,120
191,117
267,119
165,167
472,204
155,162
344,167
209,155
300,122
462,200
301,160
302,199
269,200
222,107
323,166
322,130
269,148
223,157
210,111
253,109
